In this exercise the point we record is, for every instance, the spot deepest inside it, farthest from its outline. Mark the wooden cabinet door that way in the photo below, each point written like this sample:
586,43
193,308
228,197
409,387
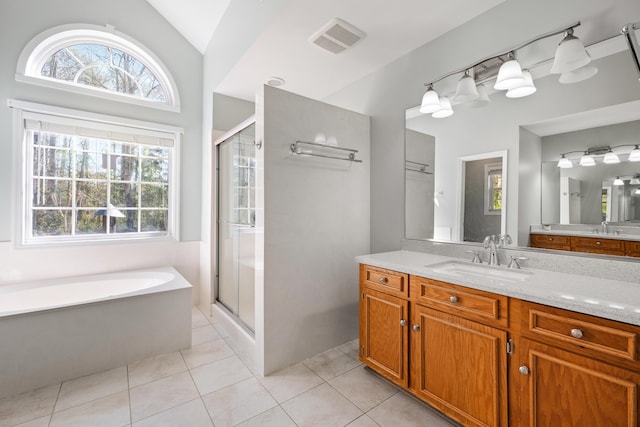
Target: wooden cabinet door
459,366
383,334
558,388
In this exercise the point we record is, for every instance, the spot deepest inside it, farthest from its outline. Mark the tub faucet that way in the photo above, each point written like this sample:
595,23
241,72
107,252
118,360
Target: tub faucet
490,243
605,227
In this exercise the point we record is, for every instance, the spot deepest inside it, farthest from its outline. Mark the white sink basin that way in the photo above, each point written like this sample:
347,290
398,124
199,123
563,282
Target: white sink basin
480,270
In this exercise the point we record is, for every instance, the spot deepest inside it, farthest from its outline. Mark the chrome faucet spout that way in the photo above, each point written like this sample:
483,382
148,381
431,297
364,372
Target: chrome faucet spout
491,244
605,227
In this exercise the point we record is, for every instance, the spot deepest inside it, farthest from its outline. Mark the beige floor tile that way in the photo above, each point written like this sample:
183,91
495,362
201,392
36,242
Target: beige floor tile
275,417
28,406
198,319
221,330
330,364
402,410
363,421
204,334
151,398
207,352
91,387
351,349
39,422
220,374
109,411
322,405
238,402
365,389
290,382
190,414
155,368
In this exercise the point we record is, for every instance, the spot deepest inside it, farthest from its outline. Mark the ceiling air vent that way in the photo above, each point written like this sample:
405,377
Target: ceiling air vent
337,35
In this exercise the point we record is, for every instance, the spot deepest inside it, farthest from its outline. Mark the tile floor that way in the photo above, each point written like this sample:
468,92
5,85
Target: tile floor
209,385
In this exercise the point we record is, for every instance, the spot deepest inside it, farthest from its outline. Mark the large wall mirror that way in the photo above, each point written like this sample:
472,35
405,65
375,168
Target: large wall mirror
531,134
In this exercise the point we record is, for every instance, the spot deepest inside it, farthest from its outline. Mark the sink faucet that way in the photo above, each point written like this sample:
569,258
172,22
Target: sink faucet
605,227
490,243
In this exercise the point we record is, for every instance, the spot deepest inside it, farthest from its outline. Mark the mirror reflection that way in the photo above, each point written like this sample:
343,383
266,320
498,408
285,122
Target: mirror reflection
559,118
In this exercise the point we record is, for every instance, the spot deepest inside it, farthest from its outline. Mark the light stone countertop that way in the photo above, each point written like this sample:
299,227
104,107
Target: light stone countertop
610,299
584,233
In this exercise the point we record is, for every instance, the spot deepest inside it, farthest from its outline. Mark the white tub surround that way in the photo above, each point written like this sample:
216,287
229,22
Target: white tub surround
609,299
56,330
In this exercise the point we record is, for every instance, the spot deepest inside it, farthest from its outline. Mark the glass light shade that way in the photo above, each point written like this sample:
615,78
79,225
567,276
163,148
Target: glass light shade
525,89
509,75
575,76
445,109
634,156
618,181
635,181
466,90
610,158
570,55
564,163
483,97
430,101
637,191
587,160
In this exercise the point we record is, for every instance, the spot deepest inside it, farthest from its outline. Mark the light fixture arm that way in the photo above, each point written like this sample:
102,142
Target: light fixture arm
506,52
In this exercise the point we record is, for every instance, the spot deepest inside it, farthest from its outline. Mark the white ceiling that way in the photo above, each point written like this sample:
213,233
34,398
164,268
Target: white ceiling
283,50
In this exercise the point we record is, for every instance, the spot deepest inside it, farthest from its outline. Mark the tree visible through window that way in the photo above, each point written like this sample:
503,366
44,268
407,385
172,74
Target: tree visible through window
103,67
493,188
86,185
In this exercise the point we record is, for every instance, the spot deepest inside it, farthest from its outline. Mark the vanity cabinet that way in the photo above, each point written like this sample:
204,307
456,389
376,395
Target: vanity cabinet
597,246
632,248
571,369
594,245
547,241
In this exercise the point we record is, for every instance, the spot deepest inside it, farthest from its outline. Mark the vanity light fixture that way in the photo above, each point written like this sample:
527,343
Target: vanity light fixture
570,54
587,160
571,61
610,158
637,191
618,181
564,163
634,156
445,109
635,180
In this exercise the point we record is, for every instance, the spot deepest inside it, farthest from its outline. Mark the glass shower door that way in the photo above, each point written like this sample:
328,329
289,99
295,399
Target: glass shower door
236,225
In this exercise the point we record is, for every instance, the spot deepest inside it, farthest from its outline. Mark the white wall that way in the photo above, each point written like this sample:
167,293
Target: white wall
385,94
419,190
529,184
20,21
316,220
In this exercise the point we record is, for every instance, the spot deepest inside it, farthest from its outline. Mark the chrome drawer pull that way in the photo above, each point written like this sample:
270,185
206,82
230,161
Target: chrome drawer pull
416,328
576,333
453,299
523,370
383,280
403,322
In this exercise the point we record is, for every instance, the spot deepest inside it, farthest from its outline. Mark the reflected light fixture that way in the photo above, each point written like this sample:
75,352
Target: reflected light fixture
618,181
635,180
445,109
430,101
525,89
466,90
587,160
564,163
570,54
509,74
634,156
610,158
575,76
637,191
483,97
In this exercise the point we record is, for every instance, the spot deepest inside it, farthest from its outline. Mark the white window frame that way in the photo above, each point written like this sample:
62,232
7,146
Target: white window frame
45,44
488,189
23,173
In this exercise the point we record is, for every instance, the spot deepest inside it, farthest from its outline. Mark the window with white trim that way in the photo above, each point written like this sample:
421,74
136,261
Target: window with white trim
91,179
98,61
493,189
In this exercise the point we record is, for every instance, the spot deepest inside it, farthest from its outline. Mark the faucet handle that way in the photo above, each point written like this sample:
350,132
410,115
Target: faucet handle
476,257
514,261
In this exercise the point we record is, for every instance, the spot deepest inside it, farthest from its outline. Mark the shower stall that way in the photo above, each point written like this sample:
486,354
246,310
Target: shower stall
236,213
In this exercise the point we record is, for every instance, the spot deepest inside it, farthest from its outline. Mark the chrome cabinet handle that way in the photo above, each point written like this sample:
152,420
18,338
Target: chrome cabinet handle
576,333
453,299
523,370
403,322
383,280
416,328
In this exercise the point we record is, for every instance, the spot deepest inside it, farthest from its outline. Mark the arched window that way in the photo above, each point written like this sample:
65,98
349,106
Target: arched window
98,61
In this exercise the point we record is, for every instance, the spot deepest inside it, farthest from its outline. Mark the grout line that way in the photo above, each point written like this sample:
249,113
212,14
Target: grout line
129,394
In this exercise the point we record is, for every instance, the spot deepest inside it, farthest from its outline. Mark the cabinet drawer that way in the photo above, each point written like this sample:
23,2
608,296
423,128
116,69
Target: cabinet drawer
588,332
547,241
632,248
470,303
597,246
388,281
